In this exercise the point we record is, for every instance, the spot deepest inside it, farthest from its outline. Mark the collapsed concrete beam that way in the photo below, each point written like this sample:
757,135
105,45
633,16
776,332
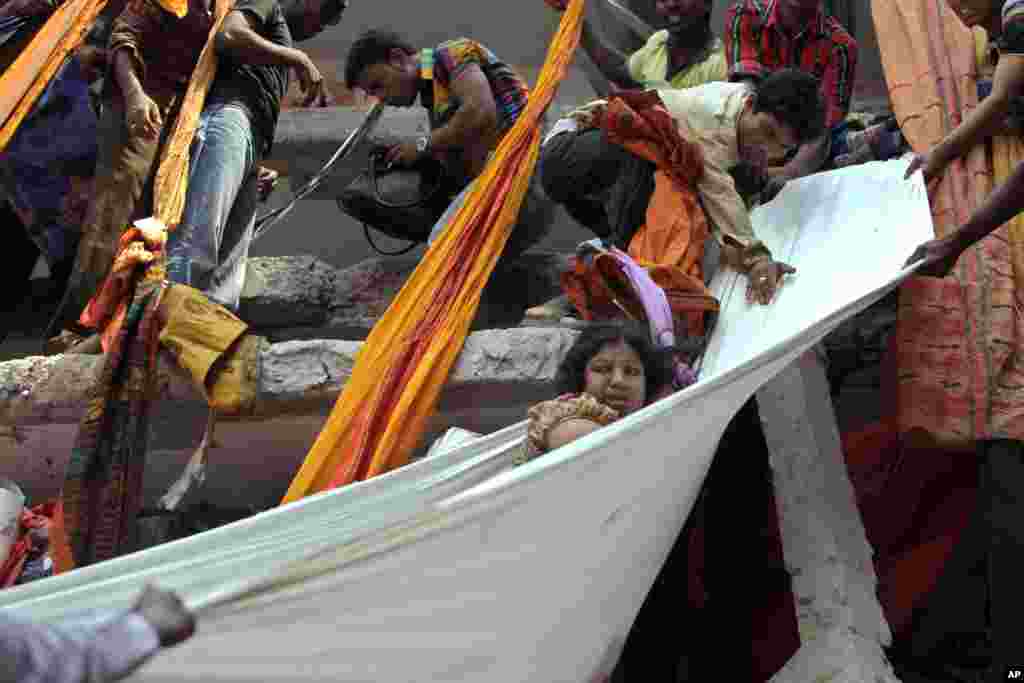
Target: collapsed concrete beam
296,377
498,376
301,297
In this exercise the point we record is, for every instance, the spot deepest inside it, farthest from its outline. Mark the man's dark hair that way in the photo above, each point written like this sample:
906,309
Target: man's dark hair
794,98
372,47
658,363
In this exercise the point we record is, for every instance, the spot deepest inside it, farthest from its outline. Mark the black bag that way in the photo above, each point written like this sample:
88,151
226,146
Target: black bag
401,202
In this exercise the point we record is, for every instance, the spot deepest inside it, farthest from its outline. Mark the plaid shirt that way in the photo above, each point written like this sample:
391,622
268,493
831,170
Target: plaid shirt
756,44
440,67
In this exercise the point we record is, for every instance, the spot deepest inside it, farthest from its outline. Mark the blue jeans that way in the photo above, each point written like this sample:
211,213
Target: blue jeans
209,248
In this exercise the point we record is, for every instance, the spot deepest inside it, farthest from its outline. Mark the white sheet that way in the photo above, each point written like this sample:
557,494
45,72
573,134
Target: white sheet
461,568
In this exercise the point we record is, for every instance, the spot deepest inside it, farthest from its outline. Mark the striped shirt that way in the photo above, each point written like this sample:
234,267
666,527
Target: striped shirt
439,67
755,44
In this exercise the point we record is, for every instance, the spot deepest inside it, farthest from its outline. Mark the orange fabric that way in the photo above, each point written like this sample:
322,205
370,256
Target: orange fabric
963,389
670,244
178,8
60,548
676,227
400,371
26,78
108,304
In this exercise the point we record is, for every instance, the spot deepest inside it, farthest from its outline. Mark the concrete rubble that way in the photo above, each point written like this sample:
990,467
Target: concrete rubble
499,374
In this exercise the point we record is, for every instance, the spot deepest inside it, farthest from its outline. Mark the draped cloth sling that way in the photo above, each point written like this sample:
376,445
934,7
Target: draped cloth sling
31,72
401,369
102,489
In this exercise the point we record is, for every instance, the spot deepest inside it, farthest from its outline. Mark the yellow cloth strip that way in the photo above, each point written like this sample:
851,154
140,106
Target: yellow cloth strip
382,413
26,78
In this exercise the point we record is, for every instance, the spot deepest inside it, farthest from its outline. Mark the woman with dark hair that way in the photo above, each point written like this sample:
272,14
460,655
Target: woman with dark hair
611,371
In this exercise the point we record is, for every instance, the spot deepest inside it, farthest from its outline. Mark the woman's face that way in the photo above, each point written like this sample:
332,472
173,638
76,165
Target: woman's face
615,376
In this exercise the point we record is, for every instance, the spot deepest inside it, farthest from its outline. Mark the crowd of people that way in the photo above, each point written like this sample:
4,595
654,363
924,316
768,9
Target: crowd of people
710,125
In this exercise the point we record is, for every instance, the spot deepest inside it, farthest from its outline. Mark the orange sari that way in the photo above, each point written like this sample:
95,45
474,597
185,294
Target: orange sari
380,416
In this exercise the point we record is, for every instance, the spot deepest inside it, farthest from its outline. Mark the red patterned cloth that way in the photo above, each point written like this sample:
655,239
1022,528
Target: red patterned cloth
33,541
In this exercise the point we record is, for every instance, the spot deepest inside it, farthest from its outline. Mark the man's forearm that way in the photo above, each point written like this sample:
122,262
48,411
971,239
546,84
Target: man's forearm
124,74
610,62
470,130
1001,206
985,121
106,650
245,45
808,159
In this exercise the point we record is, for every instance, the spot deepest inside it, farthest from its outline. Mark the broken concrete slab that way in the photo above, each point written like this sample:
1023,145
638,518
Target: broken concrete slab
288,291
296,377
288,298
498,376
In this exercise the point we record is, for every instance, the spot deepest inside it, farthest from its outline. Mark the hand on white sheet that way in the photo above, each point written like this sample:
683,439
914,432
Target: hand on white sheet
166,613
939,257
764,278
772,187
930,164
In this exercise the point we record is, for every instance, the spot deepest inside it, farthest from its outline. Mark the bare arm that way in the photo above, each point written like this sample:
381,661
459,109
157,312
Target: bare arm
988,118
808,159
940,255
239,40
473,128
126,76
1002,205
612,63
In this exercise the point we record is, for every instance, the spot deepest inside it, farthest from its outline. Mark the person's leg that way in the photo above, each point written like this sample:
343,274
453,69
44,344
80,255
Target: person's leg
956,607
223,164
22,254
576,169
229,279
1002,505
123,166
